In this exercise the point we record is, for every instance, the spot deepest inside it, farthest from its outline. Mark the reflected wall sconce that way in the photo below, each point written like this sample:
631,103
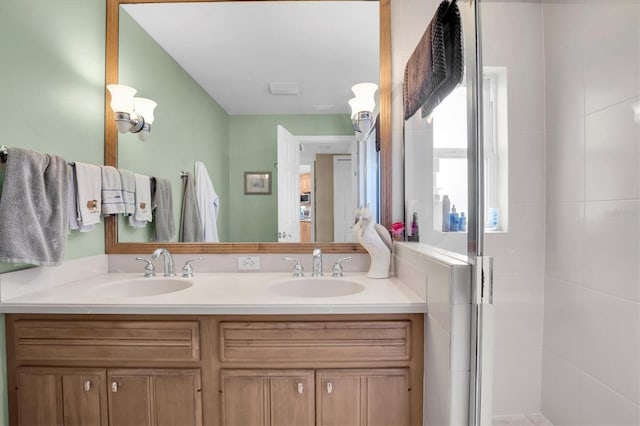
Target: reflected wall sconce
131,114
362,106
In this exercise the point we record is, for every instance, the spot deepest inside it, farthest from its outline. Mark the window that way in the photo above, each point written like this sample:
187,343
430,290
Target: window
450,151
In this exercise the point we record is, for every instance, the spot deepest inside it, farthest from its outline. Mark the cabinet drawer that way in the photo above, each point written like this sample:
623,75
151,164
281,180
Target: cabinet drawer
107,340
315,341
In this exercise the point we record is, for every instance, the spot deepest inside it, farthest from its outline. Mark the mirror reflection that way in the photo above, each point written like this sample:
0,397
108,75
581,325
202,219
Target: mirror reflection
229,82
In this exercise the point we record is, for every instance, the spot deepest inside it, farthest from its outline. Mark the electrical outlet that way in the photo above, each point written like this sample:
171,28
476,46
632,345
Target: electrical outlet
249,263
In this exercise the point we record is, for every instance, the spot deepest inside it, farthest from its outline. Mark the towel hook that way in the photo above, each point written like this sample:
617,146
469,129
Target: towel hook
4,153
183,173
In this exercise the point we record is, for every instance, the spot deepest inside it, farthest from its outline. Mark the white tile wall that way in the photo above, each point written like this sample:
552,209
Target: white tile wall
591,361
512,37
574,186
446,281
612,247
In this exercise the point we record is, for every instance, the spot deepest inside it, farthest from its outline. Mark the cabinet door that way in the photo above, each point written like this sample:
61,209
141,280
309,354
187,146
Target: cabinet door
84,398
339,399
268,397
61,396
369,397
39,398
139,397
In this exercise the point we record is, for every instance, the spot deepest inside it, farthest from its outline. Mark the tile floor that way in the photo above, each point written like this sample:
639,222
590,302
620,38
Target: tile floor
529,420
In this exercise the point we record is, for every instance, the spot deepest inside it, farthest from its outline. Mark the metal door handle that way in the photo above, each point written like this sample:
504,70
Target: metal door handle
87,385
300,388
329,387
115,386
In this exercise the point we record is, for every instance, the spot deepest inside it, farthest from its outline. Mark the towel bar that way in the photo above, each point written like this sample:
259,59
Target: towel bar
3,154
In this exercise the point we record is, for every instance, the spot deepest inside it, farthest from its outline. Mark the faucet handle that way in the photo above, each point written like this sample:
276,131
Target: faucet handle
149,269
187,269
298,270
336,271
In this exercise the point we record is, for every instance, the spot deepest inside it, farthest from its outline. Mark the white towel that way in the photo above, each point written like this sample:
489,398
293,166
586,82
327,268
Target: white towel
142,214
74,221
89,195
112,201
128,181
208,203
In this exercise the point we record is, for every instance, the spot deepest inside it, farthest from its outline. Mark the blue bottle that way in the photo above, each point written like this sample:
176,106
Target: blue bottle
454,220
463,223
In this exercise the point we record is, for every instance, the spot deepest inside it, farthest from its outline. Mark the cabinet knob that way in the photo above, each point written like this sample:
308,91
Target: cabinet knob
115,386
87,385
300,388
329,387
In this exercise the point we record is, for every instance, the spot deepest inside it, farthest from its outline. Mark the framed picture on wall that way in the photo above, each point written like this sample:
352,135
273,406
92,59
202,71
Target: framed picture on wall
257,183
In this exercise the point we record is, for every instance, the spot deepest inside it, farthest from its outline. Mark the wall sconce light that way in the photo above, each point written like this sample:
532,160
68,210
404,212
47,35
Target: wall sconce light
131,114
362,107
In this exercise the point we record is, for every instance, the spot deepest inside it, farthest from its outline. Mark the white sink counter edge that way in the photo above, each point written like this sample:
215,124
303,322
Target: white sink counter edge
219,293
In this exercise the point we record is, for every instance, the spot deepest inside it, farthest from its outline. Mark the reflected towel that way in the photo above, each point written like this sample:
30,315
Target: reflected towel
437,63
208,203
33,222
128,181
163,211
190,225
142,215
112,201
89,195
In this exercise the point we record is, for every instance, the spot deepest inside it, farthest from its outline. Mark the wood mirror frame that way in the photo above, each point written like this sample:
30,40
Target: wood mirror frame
112,246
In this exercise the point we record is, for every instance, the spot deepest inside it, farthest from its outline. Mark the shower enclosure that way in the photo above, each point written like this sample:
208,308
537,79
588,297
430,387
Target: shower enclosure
540,148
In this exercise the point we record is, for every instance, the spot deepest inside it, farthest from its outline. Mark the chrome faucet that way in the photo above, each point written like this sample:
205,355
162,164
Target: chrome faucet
168,261
317,262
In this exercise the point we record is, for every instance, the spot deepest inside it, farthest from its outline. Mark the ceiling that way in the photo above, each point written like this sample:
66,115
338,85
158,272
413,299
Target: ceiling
234,50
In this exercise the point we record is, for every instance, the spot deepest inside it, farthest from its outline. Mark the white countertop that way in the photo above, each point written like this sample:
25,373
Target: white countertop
218,293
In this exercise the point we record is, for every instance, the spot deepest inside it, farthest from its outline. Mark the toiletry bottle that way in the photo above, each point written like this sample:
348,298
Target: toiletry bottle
446,205
463,223
494,218
414,228
454,219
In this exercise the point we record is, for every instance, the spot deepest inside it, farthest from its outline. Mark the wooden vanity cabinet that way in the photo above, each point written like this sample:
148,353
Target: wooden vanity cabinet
363,397
271,370
61,396
144,397
268,397
363,371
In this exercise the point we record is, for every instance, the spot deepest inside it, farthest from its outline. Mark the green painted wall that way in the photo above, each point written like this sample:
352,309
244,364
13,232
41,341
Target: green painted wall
189,125
252,147
52,93
52,87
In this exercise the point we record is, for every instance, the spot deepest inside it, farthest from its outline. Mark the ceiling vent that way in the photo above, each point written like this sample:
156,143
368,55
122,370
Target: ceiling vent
284,88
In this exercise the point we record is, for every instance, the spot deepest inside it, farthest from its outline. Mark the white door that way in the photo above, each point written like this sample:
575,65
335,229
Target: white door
288,187
344,203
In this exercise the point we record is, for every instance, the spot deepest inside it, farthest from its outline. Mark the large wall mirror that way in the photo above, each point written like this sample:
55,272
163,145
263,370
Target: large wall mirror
213,69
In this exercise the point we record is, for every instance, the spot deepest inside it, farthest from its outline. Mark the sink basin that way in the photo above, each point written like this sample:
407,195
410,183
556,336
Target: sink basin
141,287
316,287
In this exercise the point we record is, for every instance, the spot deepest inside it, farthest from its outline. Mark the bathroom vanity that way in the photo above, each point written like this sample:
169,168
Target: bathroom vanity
215,369
216,349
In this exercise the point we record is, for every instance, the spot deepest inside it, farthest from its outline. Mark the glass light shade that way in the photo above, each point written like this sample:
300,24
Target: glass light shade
365,96
143,135
145,107
355,107
121,97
